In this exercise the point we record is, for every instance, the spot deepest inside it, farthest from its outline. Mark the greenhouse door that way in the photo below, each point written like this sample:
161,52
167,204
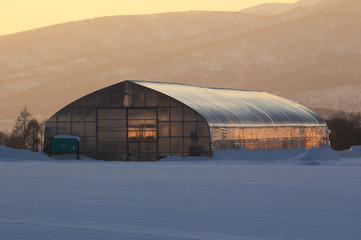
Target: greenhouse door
142,134
111,137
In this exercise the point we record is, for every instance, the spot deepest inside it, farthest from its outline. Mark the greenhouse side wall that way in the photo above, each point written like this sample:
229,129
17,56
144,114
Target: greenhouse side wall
263,137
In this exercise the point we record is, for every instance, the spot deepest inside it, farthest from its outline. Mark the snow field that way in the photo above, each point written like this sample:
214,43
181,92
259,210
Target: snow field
296,194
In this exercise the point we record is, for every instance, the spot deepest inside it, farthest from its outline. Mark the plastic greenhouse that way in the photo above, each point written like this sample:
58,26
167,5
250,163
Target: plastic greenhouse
146,121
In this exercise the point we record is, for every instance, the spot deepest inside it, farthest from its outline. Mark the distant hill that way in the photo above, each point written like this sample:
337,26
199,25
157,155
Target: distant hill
308,54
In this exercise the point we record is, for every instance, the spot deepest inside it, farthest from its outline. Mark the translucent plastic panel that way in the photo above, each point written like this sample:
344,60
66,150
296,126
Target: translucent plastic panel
191,145
78,114
142,114
91,100
163,114
111,113
151,100
204,142
50,130
114,147
79,103
116,100
176,114
202,129
112,124
163,145
148,147
90,114
128,100
163,129
88,144
189,114
104,100
112,136
224,107
90,129
78,128
176,129
176,145
64,115
64,128
163,101
139,100
190,129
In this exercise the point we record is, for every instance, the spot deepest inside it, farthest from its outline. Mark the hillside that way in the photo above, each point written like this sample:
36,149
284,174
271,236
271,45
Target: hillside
308,54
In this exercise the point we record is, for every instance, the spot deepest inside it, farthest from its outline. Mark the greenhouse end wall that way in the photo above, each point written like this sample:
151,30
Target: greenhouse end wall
129,122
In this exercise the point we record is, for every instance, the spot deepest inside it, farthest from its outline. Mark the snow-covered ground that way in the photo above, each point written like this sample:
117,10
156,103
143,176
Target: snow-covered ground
237,194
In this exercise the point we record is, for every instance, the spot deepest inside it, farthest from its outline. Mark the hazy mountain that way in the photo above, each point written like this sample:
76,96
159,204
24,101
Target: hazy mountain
269,9
308,54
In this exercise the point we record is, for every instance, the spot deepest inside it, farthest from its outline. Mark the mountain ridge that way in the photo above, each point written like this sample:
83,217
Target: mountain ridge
291,55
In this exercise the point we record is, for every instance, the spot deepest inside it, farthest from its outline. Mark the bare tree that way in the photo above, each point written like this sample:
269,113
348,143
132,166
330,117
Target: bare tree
345,130
19,132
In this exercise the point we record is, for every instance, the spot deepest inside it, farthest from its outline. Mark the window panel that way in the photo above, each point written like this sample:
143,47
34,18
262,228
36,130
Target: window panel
90,129
88,144
163,129
163,100
151,100
176,129
112,147
190,129
111,136
79,103
112,124
78,114
175,103
128,100
64,128
78,128
64,115
91,100
191,145
50,129
103,100
176,114
111,113
90,114
163,145
189,114
139,100
204,143
202,129
116,100
176,145
163,114
148,147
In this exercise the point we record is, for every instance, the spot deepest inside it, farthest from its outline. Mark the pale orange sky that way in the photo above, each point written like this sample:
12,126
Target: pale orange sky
20,15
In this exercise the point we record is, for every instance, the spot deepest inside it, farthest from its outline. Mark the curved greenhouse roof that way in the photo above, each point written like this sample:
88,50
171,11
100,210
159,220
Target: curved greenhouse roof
232,108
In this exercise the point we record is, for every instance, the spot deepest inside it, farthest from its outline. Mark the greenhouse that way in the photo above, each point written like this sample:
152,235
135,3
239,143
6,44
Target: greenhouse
146,121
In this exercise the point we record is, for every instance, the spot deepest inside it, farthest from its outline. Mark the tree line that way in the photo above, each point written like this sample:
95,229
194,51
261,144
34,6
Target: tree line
27,133
345,130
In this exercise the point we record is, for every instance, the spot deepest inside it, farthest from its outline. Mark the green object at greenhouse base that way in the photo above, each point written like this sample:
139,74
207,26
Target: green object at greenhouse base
63,145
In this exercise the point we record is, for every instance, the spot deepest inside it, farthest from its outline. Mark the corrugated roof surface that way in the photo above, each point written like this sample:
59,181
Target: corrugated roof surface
227,107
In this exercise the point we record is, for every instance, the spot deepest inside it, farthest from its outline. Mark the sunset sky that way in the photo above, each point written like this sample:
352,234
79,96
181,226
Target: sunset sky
20,15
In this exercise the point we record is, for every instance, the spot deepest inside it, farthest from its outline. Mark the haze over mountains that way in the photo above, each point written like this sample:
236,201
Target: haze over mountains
309,52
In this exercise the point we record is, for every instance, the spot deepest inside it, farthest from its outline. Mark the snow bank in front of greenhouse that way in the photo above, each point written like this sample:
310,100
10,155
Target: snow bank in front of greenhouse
313,156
